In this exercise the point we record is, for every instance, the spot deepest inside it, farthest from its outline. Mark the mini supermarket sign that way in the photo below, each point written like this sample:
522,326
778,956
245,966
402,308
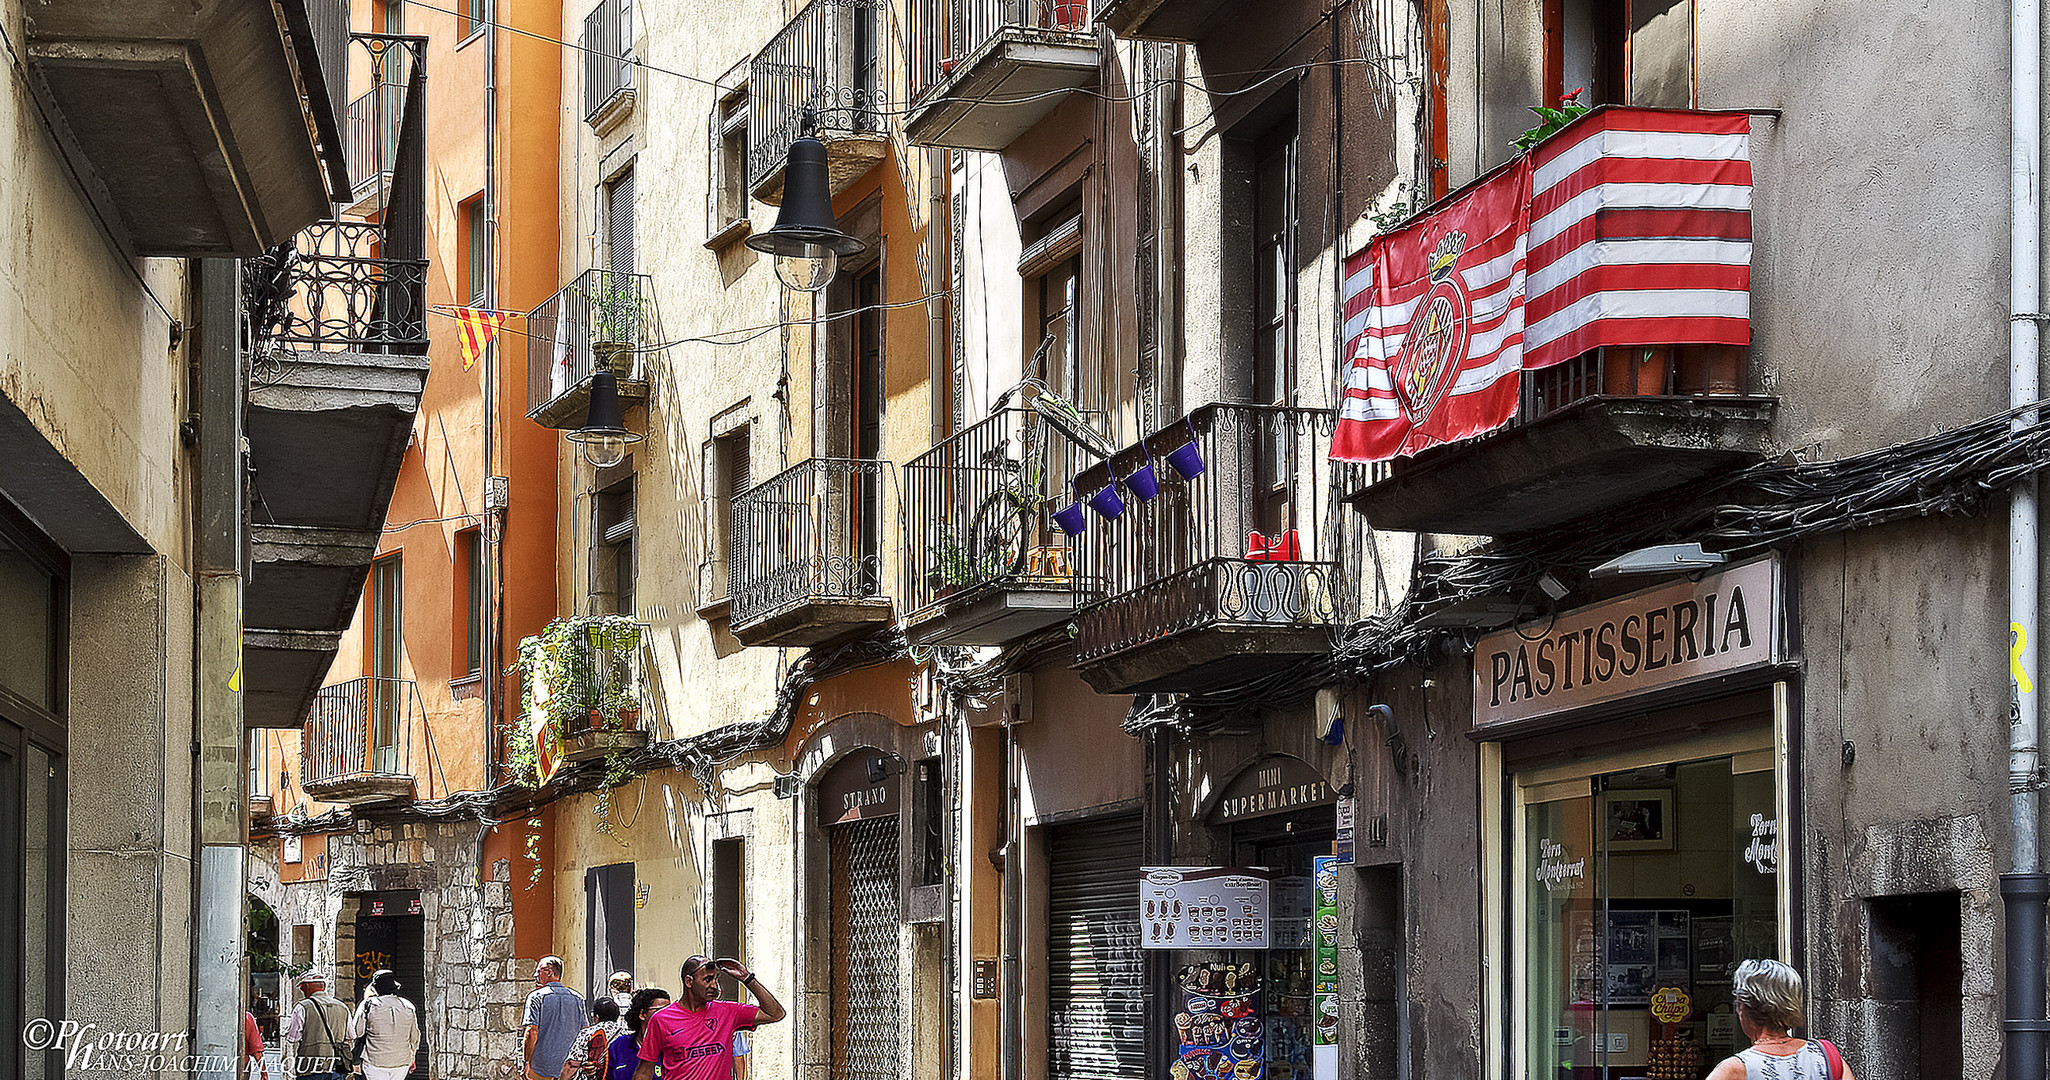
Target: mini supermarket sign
1662,637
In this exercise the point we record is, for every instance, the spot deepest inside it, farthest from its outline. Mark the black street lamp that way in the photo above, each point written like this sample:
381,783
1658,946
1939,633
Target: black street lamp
604,435
807,242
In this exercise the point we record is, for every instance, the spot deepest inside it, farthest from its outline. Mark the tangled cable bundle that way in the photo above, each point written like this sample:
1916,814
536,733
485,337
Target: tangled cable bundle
1764,507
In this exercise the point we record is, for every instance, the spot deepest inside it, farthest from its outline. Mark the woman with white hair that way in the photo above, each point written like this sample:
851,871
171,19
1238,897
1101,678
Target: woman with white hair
1768,995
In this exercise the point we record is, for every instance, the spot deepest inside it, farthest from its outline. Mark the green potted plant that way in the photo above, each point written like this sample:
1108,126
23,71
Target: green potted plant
615,319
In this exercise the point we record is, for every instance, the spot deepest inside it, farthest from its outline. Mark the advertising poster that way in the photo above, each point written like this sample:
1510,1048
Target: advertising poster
1324,1054
1204,907
1218,1033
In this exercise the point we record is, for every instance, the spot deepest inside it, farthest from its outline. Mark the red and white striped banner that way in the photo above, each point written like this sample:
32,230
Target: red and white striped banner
1629,227
1640,234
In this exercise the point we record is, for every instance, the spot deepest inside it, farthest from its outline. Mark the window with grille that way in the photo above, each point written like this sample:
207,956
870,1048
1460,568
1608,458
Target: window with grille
608,53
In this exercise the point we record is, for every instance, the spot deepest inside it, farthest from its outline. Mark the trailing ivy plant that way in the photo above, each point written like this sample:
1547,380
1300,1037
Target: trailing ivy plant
577,674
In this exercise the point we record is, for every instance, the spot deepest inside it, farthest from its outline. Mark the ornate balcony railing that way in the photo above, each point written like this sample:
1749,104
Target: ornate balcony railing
360,730
345,294
1247,543
828,62
601,307
942,34
979,509
811,534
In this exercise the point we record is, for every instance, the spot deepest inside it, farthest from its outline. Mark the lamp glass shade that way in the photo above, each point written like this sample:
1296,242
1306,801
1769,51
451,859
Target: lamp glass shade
809,270
604,451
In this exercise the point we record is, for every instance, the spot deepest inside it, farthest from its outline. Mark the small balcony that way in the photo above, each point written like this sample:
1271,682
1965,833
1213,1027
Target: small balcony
201,128
358,742
370,133
603,317
1603,431
1222,577
588,674
1165,20
338,363
807,554
607,45
826,64
983,72
983,562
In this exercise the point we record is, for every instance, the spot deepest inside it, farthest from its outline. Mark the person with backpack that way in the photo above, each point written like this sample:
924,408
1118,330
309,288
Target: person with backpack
588,1054
316,1033
1768,996
386,1028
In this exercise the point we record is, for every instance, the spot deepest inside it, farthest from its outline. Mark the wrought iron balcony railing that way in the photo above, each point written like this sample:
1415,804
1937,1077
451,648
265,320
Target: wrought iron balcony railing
828,64
1243,544
567,333
811,534
345,293
607,46
360,730
943,34
979,510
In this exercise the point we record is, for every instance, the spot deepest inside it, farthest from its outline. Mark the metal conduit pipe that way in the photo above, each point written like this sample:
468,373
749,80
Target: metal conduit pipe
2024,888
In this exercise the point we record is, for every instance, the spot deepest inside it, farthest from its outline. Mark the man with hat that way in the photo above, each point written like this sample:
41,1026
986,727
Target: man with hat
318,1032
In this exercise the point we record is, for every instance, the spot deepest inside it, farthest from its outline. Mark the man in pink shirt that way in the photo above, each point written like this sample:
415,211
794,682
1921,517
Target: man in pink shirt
693,1037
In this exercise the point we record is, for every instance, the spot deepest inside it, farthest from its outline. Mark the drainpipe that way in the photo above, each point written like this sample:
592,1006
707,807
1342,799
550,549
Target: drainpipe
2025,887
491,532
218,735
1012,1035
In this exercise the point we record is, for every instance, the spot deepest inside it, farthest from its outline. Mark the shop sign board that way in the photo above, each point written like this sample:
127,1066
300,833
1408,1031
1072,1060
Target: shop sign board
1342,846
1324,1055
1667,636
1204,907
861,785
1274,785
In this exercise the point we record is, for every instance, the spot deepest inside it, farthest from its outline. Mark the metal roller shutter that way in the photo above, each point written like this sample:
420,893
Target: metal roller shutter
1096,972
866,1019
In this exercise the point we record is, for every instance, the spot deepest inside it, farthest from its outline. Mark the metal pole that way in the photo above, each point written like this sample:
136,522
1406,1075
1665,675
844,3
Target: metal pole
2025,887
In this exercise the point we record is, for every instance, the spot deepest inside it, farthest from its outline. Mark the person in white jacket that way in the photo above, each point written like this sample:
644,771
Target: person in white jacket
393,1025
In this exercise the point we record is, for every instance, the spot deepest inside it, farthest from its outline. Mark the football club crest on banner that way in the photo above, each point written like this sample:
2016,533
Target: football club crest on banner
1434,325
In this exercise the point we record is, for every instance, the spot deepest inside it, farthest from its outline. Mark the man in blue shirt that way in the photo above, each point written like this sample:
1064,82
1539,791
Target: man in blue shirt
555,1013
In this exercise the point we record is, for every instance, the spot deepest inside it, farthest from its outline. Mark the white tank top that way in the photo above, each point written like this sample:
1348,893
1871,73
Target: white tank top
1807,1063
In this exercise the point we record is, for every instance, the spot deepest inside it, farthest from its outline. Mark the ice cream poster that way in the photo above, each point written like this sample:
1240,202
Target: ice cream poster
1218,1033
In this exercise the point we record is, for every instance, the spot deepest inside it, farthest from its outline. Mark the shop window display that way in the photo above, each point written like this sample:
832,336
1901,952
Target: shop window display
1642,891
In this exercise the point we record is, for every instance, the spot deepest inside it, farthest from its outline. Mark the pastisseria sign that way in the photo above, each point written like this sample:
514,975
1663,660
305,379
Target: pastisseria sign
1662,637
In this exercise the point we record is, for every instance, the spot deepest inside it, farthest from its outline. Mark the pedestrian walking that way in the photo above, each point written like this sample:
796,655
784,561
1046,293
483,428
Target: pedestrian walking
692,1039
315,1032
252,1049
1768,995
555,1013
625,1052
387,1028
622,986
589,1053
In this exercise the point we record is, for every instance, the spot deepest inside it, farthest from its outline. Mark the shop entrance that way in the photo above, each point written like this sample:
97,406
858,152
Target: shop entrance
390,932
1288,847
1640,889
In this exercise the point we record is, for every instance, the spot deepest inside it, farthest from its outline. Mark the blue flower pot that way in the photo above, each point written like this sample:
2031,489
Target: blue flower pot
1142,481
1186,459
1108,502
1071,519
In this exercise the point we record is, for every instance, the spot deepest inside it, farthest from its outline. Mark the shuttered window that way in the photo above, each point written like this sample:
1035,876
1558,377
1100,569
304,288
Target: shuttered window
619,224
1096,972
